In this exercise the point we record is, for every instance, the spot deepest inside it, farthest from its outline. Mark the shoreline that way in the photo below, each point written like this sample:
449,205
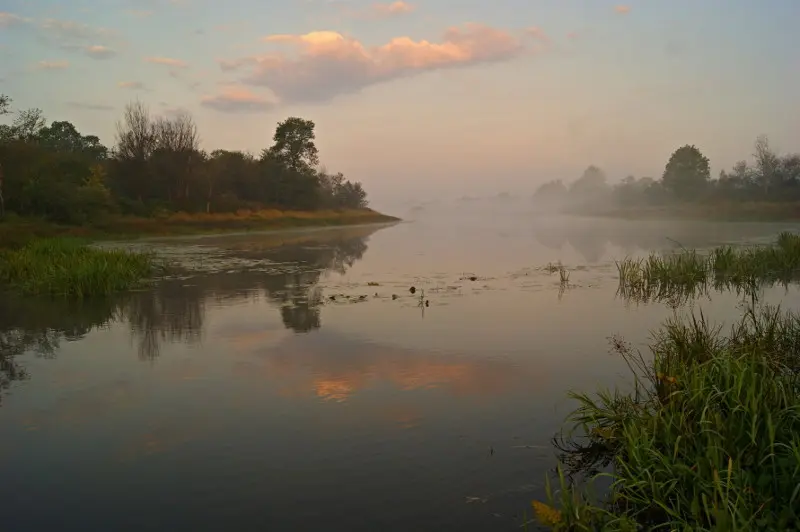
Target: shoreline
720,212
17,231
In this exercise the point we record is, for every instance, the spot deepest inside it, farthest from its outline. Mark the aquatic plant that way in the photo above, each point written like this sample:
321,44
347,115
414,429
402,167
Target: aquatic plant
709,438
71,268
687,273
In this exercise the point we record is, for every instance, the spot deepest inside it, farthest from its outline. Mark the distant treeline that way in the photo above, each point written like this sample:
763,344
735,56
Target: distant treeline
686,179
55,172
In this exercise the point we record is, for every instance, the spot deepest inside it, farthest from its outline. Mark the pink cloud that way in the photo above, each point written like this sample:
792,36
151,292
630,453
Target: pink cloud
10,19
133,85
168,61
394,8
622,10
98,51
537,33
238,100
52,65
326,63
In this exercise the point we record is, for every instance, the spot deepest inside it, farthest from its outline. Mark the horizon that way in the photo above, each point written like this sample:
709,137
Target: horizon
430,98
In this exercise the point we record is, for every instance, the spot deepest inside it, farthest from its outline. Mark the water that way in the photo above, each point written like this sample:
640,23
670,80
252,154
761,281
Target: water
238,395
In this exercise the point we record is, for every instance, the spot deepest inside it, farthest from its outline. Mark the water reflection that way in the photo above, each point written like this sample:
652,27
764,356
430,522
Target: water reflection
30,325
174,310
334,368
592,237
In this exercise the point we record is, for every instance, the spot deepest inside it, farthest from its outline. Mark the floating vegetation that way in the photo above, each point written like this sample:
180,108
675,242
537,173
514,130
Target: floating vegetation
709,439
71,268
686,274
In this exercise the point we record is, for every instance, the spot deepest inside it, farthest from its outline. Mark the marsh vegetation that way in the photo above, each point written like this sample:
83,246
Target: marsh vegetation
71,268
708,435
688,273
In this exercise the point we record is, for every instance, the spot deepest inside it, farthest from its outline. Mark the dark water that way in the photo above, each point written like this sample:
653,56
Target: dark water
239,396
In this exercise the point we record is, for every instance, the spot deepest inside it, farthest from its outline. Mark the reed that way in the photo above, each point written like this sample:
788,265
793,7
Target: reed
688,272
71,268
709,439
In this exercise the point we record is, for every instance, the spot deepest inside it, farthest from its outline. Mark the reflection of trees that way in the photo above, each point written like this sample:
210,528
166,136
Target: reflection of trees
174,309
39,326
591,236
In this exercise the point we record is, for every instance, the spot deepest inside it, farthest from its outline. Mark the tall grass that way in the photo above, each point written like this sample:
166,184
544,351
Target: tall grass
70,268
709,439
687,273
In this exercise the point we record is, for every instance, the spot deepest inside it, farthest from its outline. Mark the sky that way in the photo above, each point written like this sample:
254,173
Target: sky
426,98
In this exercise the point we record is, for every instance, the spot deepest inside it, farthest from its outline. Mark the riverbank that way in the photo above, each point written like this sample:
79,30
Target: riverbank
16,232
728,212
709,438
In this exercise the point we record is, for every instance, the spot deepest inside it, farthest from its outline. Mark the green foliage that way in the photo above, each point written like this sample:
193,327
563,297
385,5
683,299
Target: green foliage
71,268
687,173
687,273
708,440
55,172
294,145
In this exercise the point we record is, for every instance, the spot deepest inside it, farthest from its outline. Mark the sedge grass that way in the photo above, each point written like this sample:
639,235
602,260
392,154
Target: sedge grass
708,440
71,268
687,273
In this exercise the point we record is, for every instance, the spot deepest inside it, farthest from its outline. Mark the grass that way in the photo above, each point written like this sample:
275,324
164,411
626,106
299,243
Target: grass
15,232
709,438
68,267
687,273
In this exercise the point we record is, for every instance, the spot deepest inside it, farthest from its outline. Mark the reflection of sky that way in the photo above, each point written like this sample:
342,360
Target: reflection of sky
379,417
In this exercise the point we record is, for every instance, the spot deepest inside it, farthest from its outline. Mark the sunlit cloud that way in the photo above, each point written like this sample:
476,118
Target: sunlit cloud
167,61
52,65
325,64
622,9
392,8
99,51
537,33
67,31
10,19
133,85
237,100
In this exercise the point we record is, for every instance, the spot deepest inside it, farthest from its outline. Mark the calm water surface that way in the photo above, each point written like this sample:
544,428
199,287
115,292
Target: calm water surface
274,386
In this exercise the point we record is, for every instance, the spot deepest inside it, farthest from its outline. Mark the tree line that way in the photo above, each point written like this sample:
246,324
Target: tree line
156,166
769,177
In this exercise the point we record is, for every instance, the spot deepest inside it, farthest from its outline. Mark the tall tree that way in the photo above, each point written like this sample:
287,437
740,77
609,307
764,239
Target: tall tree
687,173
5,104
64,137
767,165
294,145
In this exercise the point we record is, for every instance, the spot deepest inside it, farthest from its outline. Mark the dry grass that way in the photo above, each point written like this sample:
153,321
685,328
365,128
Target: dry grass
16,232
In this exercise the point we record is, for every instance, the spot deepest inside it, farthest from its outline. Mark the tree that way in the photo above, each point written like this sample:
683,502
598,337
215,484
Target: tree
552,194
687,173
64,137
767,165
294,145
592,180
5,103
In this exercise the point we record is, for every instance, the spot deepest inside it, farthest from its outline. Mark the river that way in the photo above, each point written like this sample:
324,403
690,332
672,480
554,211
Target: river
291,381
